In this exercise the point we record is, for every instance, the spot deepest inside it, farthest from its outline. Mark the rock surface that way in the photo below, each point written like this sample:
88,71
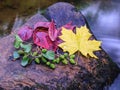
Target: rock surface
89,74
63,13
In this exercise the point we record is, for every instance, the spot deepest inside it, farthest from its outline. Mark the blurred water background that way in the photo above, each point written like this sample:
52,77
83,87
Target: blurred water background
104,20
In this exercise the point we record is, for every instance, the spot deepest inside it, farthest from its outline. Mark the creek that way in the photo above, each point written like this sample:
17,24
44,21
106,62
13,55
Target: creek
104,21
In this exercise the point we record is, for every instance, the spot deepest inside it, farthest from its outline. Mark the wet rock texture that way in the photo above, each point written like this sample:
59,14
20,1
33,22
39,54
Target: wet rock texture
89,74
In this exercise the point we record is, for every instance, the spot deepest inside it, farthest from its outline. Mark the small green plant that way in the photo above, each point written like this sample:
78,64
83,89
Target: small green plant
72,61
27,53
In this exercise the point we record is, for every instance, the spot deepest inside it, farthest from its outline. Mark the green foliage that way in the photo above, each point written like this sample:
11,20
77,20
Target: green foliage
16,55
20,52
57,60
54,61
34,53
65,61
52,66
66,54
44,50
72,61
72,56
48,63
49,55
17,42
62,57
25,60
37,60
46,57
44,60
27,48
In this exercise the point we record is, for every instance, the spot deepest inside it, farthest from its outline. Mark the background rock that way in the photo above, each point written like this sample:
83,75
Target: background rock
89,74
63,13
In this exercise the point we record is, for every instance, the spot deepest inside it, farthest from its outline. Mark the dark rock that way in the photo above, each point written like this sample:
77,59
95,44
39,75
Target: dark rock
89,74
34,19
63,13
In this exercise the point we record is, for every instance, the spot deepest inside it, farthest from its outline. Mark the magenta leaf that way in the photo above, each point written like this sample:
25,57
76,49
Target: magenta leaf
41,38
52,31
25,32
45,34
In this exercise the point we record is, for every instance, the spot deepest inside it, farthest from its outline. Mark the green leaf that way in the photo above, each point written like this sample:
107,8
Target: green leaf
48,63
21,52
44,60
72,61
44,50
37,60
27,48
15,55
72,56
35,53
25,60
18,41
17,44
49,55
65,62
52,66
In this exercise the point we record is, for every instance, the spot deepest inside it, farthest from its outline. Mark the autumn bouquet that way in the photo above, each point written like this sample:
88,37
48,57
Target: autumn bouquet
47,45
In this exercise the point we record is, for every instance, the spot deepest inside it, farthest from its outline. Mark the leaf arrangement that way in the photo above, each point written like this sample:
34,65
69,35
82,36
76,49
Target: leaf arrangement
44,34
48,40
27,54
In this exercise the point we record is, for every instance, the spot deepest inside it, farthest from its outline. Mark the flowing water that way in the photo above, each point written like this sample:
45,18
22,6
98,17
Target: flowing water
104,21
103,17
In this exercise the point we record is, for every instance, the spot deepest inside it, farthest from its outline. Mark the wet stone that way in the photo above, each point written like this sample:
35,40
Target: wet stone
63,13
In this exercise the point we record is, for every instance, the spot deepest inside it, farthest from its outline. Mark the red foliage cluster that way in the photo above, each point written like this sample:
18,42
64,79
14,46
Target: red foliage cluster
45,34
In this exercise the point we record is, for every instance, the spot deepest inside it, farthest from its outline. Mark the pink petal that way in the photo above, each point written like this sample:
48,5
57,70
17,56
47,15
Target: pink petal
42,39
52,31
25,32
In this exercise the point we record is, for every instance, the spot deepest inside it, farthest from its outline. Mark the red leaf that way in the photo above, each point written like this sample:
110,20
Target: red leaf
52,31
44,34
41,38
25,32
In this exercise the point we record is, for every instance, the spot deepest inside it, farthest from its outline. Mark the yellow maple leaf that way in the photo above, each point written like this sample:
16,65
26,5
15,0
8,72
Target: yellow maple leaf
79,41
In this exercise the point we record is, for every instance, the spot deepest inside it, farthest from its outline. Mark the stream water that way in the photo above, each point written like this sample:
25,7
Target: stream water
103,17
104,21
